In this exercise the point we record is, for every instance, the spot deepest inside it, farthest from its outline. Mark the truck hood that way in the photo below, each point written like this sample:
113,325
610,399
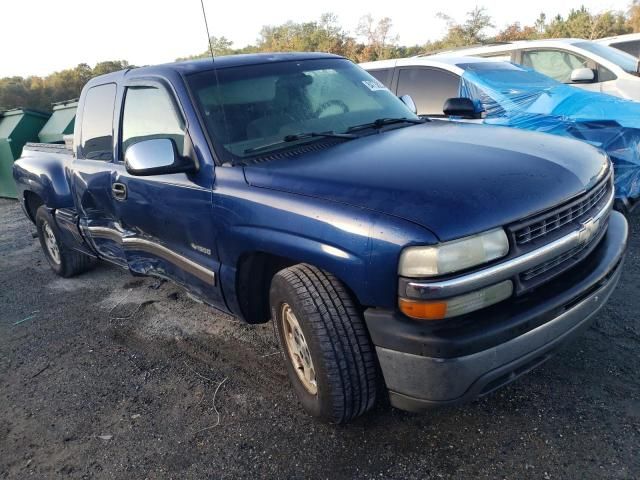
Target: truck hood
454,179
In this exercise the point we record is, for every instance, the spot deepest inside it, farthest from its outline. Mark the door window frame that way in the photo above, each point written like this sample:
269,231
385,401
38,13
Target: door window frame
173,98
80,153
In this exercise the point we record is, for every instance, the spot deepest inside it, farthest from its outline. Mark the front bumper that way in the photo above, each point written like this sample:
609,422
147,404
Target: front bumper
426,366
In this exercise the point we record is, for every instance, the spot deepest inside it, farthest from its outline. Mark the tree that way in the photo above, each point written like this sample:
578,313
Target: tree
608,24
377,37
221,46
470,32
541,23
39,93
325,35
517,32
581,23
102,68
633,16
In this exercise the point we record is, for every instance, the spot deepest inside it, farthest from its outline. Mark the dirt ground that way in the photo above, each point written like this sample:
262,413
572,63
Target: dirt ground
110,376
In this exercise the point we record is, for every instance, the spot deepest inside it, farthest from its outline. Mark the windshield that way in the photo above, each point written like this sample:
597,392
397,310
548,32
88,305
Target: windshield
253,108
625,61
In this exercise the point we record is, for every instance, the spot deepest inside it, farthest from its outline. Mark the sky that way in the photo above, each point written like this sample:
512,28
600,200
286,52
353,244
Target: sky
42,36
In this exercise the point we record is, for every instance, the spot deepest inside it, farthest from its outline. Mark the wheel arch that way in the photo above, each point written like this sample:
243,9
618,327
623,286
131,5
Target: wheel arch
255,271
32,201
250,257
43,177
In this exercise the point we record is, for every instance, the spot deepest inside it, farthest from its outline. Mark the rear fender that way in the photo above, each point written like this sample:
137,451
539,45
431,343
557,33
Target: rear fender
44,176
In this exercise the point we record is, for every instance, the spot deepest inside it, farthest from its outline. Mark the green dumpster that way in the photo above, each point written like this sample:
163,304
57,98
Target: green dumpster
17,127
60,123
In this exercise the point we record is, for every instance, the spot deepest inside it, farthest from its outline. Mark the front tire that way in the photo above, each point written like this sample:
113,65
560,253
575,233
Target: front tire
63,260
330,359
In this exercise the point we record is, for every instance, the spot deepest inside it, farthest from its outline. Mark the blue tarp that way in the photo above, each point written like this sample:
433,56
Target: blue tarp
515,96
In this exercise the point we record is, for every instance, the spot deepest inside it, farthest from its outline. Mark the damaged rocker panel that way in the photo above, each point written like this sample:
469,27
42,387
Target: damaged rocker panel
134,243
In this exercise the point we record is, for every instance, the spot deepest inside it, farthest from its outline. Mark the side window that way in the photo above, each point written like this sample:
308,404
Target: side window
149,113
429,88
97,123
556,64
632,47
605,75
382,75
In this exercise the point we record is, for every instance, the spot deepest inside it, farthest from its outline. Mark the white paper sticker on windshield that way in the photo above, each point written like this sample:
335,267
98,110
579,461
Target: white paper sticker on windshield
374,85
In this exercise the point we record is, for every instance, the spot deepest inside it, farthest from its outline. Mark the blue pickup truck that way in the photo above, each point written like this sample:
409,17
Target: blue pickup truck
440,260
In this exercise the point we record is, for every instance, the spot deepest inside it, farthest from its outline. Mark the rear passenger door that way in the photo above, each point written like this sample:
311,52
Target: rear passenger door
429,87
92,172
166,218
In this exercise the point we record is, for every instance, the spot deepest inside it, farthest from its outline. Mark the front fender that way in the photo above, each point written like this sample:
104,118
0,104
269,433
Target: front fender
359,246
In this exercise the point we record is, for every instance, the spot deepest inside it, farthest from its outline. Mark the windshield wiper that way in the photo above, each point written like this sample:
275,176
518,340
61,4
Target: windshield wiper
298,136
381,122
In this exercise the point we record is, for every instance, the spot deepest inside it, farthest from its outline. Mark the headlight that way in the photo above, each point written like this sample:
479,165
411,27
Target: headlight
453,256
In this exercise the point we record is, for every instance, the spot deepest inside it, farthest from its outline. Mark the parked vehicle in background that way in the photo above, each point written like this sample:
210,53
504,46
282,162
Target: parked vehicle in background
451,258
629,43
504,94
582,63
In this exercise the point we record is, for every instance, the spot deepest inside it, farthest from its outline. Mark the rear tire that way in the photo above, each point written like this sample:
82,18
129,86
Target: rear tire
330,359
63,260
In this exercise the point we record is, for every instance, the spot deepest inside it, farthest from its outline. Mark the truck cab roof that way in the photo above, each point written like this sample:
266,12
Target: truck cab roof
187,67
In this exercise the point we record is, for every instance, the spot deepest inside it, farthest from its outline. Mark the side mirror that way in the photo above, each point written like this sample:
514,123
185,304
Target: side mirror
461,107
408,101
157,156
583,75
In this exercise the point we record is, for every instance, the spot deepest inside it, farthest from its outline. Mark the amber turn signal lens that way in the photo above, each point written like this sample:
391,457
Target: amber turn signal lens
423,310
455,306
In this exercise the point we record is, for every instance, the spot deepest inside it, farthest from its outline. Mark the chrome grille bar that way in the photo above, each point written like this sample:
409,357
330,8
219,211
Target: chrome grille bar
562,216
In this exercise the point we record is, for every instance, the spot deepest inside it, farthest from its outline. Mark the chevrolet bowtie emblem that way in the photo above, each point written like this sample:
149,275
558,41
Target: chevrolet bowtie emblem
588,230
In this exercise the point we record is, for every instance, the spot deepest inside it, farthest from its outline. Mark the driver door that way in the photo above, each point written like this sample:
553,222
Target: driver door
166,218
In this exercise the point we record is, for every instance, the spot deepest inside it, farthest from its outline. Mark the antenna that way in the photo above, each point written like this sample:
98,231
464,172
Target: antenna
206,26
215,70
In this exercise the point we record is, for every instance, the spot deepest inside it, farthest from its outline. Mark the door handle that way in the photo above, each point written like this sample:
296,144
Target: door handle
119,191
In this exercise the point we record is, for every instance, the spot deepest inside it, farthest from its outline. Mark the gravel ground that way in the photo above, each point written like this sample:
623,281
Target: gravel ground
110,376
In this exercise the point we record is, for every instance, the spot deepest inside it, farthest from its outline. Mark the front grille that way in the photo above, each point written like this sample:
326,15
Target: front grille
569,257
542,225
